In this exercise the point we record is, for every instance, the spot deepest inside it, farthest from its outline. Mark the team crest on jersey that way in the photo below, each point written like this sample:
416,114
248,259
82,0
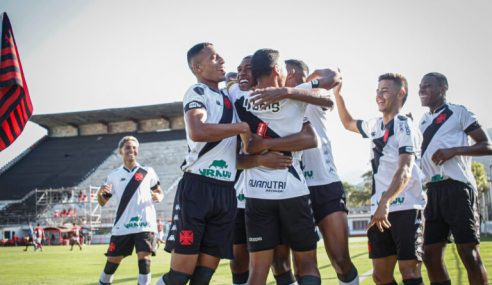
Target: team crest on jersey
227,103
138,176
186,237
441,119
217,169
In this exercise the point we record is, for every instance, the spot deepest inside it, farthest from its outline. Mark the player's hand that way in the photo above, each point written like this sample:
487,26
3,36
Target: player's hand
274,160
256,144
442,155
266,96
380,218
157,196
105,192
338,89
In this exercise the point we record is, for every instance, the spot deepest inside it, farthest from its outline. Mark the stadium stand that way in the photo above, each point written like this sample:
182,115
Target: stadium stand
81,149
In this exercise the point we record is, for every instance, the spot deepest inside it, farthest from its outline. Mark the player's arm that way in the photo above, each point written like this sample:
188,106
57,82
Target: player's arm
199,131
104,194
272,160
481,147
270,95
348,122
304,139
157,194
400,180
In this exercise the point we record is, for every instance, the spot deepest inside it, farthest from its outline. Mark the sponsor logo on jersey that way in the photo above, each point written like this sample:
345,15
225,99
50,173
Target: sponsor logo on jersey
274,107
308,174
217,169
269,186
135,222
398,201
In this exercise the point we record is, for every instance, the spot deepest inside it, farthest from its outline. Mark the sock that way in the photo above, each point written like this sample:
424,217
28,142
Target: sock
144,279
201,276
107,274
309,280
413,281
240,278
350,278
144,266
173,278
285,278
391,283
447,282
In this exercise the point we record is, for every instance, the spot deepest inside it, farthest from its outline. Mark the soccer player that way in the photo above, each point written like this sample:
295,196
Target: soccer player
75,239
270,159
30,238
160,233
135,188
39,237
327,194
205,204
277,200
397,199
451,187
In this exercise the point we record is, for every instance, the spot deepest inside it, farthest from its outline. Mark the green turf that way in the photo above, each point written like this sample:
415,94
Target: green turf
58,265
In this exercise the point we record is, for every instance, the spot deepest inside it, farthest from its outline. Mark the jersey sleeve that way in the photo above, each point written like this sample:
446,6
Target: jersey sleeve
468,121
154,179
194,98
364,128
405,137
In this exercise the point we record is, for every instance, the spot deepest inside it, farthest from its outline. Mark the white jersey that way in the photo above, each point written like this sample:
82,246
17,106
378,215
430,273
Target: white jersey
318,165
217,159
388,142
276,120
139,215
447,127
239,187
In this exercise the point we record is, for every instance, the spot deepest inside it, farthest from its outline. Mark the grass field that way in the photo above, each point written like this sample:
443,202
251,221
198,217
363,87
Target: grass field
58,265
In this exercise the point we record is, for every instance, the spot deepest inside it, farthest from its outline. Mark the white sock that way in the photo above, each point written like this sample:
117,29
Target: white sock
106,278
353,282
144,279
160,281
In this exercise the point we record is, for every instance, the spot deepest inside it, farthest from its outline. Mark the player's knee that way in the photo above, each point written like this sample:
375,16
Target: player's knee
341,262
115,259
309,280
202,276
240,278
382,278
306,266
144,266
285,278
174,278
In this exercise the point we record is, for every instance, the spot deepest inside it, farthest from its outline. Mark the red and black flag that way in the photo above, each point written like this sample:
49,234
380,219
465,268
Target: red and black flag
15,104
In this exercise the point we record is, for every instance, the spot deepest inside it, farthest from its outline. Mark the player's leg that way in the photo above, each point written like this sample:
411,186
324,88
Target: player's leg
145,248
383,269
436,233
470,256
407,231
298,224
119,247
240,263
330,212
260,262
281,265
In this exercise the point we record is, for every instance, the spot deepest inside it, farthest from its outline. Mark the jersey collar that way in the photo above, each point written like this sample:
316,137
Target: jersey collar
131,170
440,108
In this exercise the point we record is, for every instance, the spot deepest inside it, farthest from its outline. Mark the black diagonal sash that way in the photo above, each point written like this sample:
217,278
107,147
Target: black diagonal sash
432,129
129,191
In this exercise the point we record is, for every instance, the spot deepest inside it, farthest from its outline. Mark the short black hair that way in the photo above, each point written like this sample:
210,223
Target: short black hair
298,64
196,49
398,79
441,79
263,61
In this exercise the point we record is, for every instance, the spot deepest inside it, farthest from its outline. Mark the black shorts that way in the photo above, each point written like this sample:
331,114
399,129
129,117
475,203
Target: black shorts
273,222
203,217
123,245
327,199
451,208
403,238
240,227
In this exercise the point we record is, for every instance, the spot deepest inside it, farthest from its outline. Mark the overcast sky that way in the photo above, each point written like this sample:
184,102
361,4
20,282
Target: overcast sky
87,55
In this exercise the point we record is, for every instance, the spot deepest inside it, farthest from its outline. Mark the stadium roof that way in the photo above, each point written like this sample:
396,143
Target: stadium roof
139,113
